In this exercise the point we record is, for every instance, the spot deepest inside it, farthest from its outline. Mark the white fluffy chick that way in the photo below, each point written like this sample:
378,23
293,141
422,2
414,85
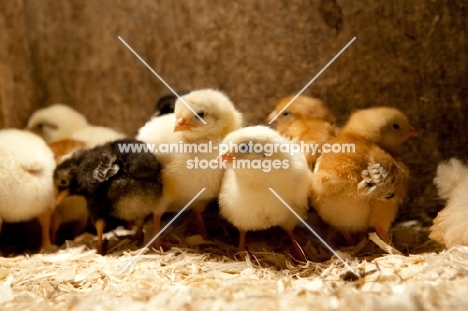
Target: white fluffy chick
450,224
245,199
59,122
26,171
182,179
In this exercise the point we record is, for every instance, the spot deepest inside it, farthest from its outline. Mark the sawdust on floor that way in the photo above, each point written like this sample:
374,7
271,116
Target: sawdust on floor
206,275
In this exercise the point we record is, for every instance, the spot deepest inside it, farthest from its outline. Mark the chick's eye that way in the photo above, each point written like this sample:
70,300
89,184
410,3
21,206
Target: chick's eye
201,114
243,148
285,114
396,126
63,183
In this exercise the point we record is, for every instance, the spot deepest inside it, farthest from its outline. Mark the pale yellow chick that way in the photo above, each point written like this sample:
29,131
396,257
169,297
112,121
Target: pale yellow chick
59,122
27,190
182,177
245,198
450,224
353,190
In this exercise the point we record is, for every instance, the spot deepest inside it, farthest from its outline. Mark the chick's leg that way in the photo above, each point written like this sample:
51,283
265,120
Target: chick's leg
54,226
80,226
242,236
139,235
348,237
297,251
44,221
383,234
100,225
156,228
201,229
382,217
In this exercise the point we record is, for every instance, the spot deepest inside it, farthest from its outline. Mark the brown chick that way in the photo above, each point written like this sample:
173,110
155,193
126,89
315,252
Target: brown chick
310,131
306,119
359,188
301,107
72,209
65,147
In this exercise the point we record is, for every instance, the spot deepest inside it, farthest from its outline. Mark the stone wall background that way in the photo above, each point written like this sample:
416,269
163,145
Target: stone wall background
408,54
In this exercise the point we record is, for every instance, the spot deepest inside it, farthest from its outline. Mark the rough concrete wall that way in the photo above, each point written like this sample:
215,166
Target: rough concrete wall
408,54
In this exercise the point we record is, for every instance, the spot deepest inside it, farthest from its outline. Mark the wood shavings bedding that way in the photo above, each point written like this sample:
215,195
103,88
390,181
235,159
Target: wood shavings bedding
207,277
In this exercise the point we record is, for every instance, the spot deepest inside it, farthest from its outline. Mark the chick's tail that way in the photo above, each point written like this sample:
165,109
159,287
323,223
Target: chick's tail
33,167
449,175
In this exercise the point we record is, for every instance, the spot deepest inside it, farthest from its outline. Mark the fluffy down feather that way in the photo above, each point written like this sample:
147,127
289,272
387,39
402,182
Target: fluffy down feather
307,120
73,208
245,199
26,170
363,188
59,122
449,226
181,182
116,183
301,107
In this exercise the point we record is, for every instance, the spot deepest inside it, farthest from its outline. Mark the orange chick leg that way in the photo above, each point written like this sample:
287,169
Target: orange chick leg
383,234
348,237
242,238
139,235
297,251
201,229
100,225
156,227
54,227
78,228
44,220
128,225
157,243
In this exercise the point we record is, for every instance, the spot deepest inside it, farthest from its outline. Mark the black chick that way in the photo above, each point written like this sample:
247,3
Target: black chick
115,183
166,104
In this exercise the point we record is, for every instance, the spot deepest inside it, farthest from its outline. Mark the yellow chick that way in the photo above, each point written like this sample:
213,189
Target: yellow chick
183,173
59,122
362,185
245,198
306,119
450,224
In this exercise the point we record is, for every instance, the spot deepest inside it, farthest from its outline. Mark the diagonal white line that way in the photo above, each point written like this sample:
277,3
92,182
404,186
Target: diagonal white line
313,79
313,231
159,233
162,80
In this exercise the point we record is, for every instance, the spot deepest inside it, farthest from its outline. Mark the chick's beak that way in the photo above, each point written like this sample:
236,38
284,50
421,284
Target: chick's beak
31,129
61,195
412,132
226,158
271,116
182,125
